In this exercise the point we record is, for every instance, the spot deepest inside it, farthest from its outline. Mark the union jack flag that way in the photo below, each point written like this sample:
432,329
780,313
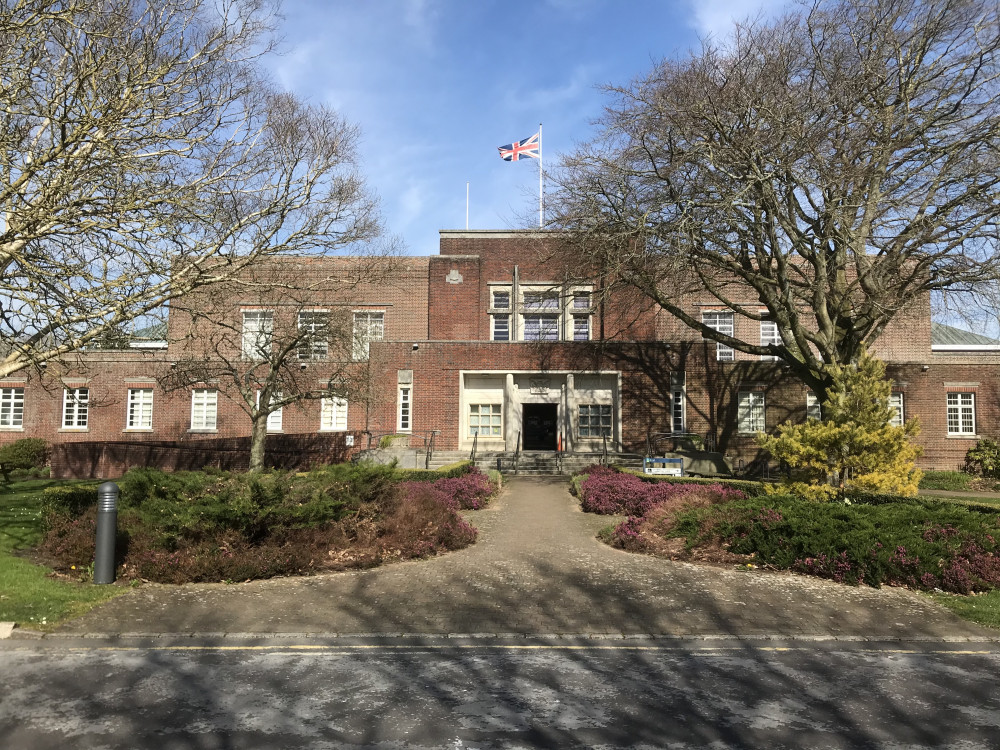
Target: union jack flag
520,149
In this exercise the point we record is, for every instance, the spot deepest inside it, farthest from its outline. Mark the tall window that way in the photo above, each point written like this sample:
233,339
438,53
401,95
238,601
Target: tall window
500,315
140,409
204,408
750,411
274,418
541,327
485,420
258,326
11,407
896,402
723,323
368,326
501,328
581,327
333,414
76,405
769,336
814,409
594,420
961,413
677,410
403,423
314,333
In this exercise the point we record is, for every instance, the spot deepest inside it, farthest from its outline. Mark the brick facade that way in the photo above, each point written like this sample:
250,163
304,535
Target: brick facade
638,373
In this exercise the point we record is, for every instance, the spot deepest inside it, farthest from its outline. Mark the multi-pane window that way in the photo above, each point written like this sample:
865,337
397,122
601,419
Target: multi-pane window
314,335
961,413
501,299
750,411
814,409
541,300
76,408
204,408
677,411
501,328
274,418
581,301
333,414
595,420
368,326
485,420
404,414
258,325
769,336
723,323
11,407
581,328
541,327
896,402
140,409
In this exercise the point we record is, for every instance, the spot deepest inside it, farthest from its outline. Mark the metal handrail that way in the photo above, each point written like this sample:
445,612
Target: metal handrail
430,449
475,444
517,451
604,455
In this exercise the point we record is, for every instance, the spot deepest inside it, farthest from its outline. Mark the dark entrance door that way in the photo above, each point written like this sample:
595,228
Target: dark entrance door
540,427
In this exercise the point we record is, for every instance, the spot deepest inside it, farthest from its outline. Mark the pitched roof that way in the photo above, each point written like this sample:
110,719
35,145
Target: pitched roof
945,335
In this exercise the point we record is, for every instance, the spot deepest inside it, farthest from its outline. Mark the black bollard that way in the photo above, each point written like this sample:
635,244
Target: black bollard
107,529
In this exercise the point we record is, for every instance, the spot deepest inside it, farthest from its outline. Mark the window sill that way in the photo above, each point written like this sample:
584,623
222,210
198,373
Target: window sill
73,429
961,436
12,429
193,431
138,429
332,429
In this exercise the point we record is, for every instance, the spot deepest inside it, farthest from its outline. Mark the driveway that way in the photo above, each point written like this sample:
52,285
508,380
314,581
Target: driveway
537,568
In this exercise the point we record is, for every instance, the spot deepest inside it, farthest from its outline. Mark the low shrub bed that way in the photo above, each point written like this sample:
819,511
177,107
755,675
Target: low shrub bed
920,544
610,492
217,526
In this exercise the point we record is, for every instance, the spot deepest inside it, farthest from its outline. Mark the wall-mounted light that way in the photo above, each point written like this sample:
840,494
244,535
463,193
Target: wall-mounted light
925,368
416,346
302,366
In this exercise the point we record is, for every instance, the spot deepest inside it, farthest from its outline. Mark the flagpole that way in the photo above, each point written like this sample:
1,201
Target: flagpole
466,205
541,205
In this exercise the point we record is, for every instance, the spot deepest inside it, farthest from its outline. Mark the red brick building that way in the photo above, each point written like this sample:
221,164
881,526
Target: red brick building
500,338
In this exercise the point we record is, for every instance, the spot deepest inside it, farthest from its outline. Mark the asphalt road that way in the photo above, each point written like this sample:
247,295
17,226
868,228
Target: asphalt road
479,692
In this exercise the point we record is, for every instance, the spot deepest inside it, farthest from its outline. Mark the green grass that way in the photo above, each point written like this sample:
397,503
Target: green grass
983,609
952,481
28,595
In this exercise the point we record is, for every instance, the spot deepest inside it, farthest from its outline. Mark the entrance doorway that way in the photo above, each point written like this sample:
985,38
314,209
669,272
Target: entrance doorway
541,427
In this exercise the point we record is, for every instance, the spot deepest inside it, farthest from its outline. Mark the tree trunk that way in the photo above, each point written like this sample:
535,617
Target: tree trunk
258,440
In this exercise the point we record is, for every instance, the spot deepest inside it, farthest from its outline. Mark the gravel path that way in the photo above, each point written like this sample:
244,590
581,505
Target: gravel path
536,569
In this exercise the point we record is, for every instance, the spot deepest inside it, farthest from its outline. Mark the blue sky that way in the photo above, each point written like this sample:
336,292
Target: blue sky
437,85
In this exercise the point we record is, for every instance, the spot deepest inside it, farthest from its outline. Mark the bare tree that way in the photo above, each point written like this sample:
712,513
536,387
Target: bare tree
277,336
825,171
143,155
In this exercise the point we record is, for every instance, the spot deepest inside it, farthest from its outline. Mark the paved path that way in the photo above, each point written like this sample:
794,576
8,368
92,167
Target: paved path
536,569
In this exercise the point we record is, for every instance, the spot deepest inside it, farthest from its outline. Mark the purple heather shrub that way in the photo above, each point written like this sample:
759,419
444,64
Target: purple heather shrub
614,493
472,491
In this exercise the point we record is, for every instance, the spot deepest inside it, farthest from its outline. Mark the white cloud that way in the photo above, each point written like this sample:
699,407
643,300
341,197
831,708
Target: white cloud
715,18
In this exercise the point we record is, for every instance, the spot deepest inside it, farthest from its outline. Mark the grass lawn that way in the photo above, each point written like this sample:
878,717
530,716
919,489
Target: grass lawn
29,595
983,609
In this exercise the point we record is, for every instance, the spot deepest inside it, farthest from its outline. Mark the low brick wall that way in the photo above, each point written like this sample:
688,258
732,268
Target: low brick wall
107,460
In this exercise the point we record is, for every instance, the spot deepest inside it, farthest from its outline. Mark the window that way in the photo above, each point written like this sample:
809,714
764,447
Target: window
769,336
581,328
403,422
274,418
814,409
896,402
501,299
581,300
333,414
501,328
723,323
541,327
257,328
750,413
314,332
677,410
11,407
140,409
961,413
485,420
541,300
595,420
204,408
76,402
368,327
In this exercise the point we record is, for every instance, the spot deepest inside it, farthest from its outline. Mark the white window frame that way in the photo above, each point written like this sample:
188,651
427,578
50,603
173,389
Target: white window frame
404,408
368,326
333,414
769,334
751,412
314,332
814,409
548,324
500,292
896,401
12,407
493,326
258,328
75,408
678,411
962,406
139,409
603,410
204,409
723,322
274,418
573,320
493,424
